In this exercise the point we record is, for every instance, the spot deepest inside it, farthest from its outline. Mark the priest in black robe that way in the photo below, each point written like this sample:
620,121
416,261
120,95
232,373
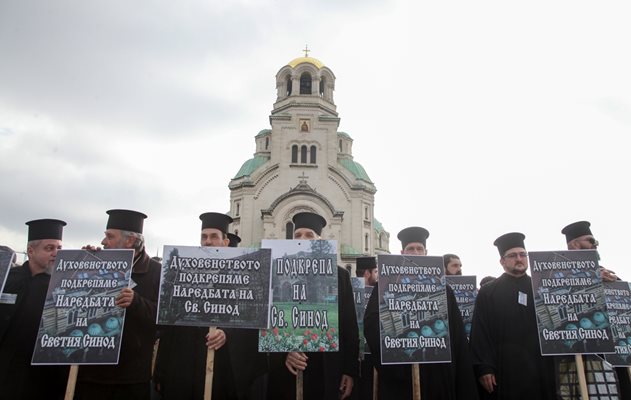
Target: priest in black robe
504,336
579,236
130,378
328,375
180,369
19,321
440,381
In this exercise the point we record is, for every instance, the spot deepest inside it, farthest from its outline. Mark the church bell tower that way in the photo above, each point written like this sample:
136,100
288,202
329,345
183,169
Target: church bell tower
303,163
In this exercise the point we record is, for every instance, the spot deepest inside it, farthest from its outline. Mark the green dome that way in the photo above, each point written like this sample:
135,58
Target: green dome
355,168
348,250
250,166
344,135
377,225
263,133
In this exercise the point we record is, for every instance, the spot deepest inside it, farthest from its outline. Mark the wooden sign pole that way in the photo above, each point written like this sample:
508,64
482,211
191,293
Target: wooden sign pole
375,384
72,382
299,385
580,371
210,367
416,382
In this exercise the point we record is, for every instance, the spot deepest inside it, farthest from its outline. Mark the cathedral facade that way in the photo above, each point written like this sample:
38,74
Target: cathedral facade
303,163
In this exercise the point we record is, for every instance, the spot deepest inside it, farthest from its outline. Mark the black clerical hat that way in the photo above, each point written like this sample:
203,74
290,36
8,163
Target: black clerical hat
577,229
234,240
125,220
216,220
364,263
45,229
413,234
509,241
309,220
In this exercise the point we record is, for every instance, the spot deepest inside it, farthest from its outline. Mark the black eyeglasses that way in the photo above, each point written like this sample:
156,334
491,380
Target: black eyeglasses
511,256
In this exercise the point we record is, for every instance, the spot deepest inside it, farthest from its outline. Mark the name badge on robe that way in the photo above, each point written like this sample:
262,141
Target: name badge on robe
8,298
522,298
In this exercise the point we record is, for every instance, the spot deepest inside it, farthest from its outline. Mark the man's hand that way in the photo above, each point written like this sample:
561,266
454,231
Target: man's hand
488,382
346,386
296,361
125,299
608,275
216,340
89,247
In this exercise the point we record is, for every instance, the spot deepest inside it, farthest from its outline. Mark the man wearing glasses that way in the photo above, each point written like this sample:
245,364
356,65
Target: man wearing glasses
579,237
504,337
600,376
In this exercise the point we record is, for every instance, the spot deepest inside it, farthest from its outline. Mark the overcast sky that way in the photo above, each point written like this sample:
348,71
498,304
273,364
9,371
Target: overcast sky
472,118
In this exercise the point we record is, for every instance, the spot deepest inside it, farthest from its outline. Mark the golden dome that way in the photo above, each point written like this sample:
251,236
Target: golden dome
296,61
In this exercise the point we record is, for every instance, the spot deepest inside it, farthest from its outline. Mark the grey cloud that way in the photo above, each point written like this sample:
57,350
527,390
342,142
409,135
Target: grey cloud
95,63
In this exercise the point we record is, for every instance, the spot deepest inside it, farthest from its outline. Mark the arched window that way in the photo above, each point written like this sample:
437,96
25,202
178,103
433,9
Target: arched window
322,83
380,241
236,232
288,85
294,154
303,155
340,145
312,159
289,230
238,206
305,83
266,143
366,242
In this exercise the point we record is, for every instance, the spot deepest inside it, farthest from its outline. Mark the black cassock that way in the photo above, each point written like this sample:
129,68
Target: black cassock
133,371
19,324
180,368
324,370
505,341
362,387
440,381
248,365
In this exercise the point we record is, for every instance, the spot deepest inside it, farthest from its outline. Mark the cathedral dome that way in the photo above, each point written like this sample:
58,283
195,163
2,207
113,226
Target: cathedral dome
300,60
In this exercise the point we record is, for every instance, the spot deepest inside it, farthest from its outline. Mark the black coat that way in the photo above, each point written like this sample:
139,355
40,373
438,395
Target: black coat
505,341
134,364
324,370
441,381
246,361
181,365
19,324
363,386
